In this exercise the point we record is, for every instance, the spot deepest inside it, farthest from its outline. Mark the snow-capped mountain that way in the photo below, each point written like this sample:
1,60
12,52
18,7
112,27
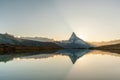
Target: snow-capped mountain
74,42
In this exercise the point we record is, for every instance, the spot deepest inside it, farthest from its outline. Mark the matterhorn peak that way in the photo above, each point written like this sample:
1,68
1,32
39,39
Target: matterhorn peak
73,34
77,41
74,37
74,42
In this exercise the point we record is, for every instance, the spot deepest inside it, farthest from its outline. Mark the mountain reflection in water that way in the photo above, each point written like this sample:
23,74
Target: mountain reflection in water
73,54
69,64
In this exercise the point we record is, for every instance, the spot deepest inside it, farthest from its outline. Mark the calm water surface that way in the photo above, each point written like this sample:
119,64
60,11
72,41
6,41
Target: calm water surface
61,65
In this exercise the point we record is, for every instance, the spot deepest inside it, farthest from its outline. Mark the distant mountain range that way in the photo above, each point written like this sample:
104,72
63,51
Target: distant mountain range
73,42
115,48
10,39
41,39
104,43
110,46
10,42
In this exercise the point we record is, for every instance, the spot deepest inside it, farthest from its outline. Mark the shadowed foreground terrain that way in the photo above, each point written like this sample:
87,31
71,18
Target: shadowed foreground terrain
6,48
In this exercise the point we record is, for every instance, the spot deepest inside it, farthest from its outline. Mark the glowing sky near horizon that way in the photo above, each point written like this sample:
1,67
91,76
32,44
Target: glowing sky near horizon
91,20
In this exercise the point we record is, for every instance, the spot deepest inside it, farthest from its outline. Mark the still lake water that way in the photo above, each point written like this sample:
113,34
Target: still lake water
61,65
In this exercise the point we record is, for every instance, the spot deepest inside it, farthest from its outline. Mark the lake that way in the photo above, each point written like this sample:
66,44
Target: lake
61,65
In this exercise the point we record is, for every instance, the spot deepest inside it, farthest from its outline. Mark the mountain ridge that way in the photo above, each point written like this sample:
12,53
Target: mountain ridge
41,39
9,43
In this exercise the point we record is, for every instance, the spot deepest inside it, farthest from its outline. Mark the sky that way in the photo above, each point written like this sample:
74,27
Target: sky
91,20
